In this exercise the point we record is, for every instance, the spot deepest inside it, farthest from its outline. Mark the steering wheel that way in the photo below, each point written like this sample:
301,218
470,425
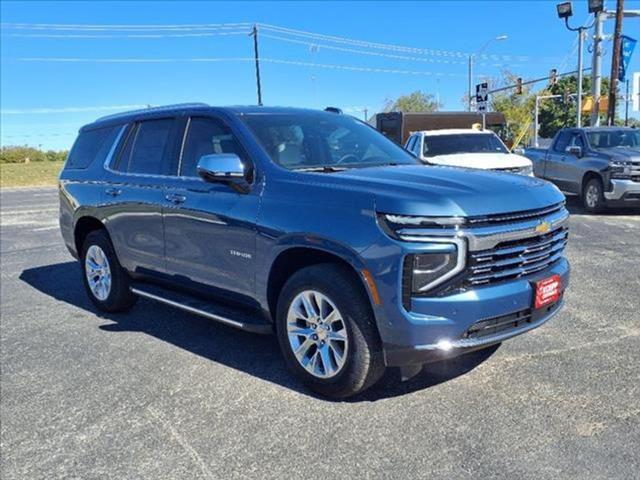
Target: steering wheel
347,156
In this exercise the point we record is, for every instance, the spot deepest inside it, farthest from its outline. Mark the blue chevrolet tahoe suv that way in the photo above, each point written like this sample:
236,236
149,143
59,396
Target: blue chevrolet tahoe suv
313,226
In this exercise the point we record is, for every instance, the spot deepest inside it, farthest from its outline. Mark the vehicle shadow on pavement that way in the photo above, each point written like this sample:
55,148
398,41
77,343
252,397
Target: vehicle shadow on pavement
257,355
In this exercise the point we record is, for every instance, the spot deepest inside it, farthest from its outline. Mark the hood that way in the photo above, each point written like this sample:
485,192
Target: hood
624,154
425,190
485,161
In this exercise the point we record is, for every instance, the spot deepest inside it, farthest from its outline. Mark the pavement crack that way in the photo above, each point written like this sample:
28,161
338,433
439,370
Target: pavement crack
168,427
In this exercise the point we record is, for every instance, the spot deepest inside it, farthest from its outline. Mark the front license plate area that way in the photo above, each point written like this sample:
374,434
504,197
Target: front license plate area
547,291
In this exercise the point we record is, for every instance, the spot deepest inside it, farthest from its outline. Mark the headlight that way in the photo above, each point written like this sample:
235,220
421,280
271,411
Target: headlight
620,169
427,270
528,170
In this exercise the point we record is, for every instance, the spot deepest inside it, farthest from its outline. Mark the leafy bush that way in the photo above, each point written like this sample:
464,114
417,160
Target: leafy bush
17,154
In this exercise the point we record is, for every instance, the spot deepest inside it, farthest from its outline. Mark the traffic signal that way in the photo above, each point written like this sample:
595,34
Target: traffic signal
519,86
553,76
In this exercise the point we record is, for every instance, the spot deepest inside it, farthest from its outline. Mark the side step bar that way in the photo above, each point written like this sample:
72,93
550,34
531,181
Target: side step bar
233,318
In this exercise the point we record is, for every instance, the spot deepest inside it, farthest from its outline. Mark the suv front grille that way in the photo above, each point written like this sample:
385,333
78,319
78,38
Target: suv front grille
516,258
505,218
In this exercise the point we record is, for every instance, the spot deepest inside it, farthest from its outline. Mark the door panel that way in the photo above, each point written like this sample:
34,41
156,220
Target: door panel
133,195
133,216
210,228
210,234
569,170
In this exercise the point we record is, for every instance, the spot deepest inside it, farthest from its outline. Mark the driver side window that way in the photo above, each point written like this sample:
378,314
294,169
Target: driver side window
206,136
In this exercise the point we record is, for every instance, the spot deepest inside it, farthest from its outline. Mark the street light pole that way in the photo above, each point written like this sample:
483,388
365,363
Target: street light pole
472,59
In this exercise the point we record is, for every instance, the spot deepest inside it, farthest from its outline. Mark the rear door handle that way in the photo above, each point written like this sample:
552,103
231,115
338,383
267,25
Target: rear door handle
175,198
113,192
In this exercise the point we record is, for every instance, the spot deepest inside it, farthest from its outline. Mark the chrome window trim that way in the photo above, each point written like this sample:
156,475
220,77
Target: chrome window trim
112,150
184,140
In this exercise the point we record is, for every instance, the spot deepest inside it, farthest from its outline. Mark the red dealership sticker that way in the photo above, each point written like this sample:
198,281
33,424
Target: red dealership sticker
548,291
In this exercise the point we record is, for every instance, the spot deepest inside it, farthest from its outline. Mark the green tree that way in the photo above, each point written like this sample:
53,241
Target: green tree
516,108
556,113
417,101
24,154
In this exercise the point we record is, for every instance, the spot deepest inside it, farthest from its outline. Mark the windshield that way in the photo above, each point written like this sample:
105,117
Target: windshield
462,143
311,140
614,138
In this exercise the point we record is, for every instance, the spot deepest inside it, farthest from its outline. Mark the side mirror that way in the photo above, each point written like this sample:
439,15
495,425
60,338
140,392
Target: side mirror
224,168
518,151
574,150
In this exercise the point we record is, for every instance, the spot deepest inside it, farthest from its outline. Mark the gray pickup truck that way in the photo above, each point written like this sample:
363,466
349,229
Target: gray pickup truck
601,164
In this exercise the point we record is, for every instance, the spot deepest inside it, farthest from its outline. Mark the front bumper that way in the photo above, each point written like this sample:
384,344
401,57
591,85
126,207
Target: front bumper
624,192
436,327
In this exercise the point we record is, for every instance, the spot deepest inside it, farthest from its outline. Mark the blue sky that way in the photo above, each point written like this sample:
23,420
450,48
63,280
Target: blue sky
55,78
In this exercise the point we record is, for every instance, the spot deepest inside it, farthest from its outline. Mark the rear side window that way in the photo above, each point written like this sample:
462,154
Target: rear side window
92,145
146,148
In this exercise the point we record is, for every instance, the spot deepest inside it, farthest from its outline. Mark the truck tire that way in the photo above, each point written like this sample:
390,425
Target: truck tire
593,196
106,282
327,332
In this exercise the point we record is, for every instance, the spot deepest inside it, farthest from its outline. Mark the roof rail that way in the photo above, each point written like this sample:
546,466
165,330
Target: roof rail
162,108
333,110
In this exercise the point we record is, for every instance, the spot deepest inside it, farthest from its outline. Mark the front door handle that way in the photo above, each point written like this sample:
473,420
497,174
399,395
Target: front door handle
175,198
113,192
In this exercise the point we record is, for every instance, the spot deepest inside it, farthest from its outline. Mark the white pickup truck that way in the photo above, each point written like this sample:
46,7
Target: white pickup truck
468,148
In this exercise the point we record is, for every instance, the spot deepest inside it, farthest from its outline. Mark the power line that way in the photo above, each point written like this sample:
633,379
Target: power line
233,59
122,27
126,35
27,111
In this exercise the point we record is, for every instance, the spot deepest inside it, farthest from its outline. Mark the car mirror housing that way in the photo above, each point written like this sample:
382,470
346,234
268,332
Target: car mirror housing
225,168
575,150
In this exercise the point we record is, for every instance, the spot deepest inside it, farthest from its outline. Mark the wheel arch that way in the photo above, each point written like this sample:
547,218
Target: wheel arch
294,258
83,226
588,176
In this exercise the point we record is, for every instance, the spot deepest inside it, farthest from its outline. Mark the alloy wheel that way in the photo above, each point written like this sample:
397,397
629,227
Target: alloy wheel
98,272
317,334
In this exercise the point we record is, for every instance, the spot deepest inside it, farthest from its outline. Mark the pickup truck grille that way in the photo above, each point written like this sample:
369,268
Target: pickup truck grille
516,258
635,172
496,325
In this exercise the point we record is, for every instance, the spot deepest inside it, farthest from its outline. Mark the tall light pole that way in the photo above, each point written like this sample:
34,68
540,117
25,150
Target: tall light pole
565,11
472,58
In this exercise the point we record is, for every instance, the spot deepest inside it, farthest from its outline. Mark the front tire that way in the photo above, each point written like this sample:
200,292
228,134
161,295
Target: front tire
106,282
593,196
327,332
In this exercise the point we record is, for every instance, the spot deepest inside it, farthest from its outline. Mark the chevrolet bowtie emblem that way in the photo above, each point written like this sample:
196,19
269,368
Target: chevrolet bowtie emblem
543,227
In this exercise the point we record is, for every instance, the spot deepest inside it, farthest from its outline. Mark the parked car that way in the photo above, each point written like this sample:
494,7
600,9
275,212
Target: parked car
601,164
470,148
316,227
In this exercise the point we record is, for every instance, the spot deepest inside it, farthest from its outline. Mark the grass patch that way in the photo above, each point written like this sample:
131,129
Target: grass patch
29,174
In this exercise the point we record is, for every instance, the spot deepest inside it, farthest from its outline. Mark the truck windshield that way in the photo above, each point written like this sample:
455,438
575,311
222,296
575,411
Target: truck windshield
317,140
462,143
605,139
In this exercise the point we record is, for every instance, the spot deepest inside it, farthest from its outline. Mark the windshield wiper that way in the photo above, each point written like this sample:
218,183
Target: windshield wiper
322,169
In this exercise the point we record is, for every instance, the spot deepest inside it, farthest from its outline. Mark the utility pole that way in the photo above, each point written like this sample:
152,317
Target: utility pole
615,64
254,33
596,68
626,106
470,79
579,96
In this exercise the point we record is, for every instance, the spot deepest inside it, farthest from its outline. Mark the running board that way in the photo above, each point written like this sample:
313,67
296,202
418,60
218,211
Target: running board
237,318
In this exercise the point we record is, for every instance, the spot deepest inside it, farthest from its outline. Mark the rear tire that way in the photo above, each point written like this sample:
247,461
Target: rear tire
106,282
593,196
339,353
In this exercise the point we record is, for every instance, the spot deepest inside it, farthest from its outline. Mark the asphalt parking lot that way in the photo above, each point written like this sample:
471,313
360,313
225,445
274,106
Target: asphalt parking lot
161,394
